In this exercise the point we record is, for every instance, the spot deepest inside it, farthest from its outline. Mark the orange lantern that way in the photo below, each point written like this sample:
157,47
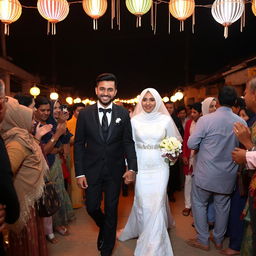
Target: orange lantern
10,11
181,10
95,9
54,11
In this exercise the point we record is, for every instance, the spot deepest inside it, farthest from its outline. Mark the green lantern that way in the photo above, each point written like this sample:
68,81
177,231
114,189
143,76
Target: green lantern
138,8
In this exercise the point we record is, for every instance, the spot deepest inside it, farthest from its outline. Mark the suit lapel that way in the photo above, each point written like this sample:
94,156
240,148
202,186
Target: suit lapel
112,123
97,121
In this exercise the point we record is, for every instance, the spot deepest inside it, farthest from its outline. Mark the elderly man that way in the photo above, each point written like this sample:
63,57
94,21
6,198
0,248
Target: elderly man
214,171
248,139
9,205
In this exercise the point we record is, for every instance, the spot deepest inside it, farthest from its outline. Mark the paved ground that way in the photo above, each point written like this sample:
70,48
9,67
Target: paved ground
82,240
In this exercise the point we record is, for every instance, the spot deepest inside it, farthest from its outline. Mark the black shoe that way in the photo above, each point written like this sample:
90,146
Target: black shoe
100,240
107,253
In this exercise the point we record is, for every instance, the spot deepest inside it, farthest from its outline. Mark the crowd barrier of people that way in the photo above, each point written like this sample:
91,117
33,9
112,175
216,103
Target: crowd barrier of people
85,152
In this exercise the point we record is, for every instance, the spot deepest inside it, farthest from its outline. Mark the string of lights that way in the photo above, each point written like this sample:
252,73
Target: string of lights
224,12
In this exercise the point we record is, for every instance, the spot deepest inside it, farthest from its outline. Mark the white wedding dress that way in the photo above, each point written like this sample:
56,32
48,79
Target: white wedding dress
150,215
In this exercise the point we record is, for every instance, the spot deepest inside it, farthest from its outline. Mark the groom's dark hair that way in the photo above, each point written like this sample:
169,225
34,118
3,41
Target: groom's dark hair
106,77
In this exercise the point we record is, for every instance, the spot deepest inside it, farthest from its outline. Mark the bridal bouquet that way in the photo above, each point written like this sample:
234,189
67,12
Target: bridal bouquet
171,149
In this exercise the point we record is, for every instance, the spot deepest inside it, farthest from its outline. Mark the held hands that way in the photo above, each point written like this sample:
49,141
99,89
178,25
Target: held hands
129,177
82,182
243,134
239,155
2,217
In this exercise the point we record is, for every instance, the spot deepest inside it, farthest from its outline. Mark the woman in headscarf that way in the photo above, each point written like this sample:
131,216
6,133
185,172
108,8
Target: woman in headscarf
209,105
150,215
65,214
29,168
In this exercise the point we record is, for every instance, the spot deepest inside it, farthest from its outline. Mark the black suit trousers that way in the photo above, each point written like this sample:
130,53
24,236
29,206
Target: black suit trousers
107,220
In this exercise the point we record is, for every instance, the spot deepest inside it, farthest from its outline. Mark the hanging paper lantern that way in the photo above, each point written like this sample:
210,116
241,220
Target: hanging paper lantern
138,8
254,7
54,11
69,100
181,10
54,96
95,9
34,91
227,12
179,95
10,11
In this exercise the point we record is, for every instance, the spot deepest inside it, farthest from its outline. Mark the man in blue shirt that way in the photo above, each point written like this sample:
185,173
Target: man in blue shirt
215,172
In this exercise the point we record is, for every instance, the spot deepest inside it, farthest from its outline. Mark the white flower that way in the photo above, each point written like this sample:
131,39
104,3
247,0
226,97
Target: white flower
118,120
171,146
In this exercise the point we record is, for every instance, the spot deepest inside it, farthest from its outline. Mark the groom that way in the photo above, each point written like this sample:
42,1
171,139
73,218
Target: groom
103,140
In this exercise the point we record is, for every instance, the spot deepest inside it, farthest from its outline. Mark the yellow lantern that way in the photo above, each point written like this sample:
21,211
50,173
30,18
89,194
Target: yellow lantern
54,11
95,9
254,7
181,10
10,11
165,99
34,91
69,100
54,96
77,100
173,98
138,8
179,95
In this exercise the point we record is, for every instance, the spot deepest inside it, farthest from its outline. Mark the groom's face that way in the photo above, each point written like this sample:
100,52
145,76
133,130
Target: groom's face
106,92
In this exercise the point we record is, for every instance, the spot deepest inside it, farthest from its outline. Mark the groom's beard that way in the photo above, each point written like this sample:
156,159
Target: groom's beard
105,103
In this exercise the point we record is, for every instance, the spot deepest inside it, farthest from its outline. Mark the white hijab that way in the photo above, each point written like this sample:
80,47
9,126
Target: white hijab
156,113
206,105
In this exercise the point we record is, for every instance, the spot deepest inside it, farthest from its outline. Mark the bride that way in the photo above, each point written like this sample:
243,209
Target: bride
150,215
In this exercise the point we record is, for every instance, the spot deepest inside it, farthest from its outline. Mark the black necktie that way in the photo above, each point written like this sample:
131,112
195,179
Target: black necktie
104,123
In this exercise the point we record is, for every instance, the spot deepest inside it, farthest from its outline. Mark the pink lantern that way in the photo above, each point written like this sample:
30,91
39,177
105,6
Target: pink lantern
54,11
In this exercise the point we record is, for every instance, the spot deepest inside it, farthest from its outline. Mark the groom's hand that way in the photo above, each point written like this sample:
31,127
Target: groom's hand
82,182
129,177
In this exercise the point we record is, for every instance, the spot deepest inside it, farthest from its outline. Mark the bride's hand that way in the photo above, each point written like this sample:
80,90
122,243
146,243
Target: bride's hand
129,177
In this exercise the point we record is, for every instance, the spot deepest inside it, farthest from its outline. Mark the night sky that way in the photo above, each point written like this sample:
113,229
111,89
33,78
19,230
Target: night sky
140,59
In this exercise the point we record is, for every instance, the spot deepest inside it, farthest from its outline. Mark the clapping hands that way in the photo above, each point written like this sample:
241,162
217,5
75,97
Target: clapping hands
243,134
239,156
42,130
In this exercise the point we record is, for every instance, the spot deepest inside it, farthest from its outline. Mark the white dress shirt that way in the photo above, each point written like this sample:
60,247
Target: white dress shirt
109,114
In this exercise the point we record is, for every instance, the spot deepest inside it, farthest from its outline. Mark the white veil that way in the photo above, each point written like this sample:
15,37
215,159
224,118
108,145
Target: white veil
206,104
159,110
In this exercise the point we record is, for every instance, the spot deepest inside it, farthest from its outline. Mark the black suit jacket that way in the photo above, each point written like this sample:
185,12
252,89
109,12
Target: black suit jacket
8,195
93,153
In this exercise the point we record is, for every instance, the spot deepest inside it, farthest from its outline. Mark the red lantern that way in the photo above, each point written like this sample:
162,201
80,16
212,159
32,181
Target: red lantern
54,11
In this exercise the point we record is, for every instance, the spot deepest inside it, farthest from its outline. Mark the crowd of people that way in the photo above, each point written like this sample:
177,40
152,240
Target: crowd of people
91,153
